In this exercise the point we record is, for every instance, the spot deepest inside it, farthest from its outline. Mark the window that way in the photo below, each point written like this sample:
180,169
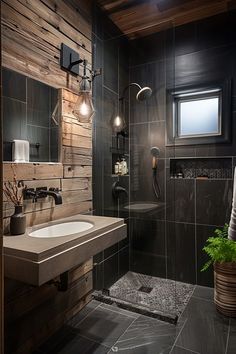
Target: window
199,115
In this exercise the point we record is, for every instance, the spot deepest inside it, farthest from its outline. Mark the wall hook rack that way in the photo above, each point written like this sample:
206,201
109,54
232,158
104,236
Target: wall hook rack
70,61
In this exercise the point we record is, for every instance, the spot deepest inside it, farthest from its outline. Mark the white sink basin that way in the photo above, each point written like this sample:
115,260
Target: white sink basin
63,229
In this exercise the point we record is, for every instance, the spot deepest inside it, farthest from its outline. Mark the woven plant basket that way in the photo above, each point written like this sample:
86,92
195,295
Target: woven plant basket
225,288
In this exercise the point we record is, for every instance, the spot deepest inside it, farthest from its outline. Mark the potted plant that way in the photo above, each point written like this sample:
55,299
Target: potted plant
13,191
222,253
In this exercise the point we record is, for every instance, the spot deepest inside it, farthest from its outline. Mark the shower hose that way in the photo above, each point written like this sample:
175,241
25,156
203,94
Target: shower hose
155,184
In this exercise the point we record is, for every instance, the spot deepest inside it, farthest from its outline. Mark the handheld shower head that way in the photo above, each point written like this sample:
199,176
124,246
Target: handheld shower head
144,93
155,151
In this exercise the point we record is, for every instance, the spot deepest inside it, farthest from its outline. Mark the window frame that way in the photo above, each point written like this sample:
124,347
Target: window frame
190,93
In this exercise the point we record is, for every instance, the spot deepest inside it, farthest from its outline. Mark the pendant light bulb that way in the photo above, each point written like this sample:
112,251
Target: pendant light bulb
83,108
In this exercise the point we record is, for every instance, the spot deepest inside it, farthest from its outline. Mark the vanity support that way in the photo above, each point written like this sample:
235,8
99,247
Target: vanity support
63,283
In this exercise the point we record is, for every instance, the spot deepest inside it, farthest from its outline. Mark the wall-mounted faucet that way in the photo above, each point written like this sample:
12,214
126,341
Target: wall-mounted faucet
117,190
34,194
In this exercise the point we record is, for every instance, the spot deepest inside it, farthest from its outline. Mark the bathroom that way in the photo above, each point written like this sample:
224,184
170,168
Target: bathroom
145,198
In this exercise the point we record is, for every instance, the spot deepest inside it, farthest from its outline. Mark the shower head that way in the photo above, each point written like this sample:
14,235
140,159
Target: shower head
155,151
144,93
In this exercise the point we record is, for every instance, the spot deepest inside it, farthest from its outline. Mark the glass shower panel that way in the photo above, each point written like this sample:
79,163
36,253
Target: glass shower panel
139,272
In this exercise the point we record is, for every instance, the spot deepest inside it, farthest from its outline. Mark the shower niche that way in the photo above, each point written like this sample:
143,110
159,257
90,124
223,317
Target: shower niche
119,152
201,168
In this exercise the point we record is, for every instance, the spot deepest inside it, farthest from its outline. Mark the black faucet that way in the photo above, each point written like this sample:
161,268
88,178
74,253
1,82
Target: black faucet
117,190
52,192
31,193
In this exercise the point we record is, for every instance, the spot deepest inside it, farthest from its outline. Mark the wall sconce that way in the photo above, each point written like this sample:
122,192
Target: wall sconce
70,61
83,108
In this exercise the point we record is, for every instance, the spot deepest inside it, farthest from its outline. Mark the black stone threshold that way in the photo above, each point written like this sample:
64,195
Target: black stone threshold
103,296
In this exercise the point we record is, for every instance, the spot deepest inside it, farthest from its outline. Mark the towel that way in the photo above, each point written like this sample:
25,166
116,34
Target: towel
232,224
20,151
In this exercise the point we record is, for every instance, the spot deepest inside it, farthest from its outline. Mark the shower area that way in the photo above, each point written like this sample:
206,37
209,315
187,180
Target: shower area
157,185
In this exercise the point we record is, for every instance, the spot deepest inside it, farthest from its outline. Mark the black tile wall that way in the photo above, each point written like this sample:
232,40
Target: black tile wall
180,200
148,247
111,64
181,252
110,52
167,241
195,53
111,270
124,265
203,232
213,208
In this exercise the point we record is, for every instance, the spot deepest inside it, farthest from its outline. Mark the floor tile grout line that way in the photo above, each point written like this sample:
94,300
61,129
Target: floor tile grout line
85,316
92,340
150,336
202,298
189,350
227,340
177,337
120,313
190,297
124,332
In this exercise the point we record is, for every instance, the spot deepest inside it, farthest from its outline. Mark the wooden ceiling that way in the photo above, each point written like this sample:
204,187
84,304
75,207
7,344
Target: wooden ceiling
138,18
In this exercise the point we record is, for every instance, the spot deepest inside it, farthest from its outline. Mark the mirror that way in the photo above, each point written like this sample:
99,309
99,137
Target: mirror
30,119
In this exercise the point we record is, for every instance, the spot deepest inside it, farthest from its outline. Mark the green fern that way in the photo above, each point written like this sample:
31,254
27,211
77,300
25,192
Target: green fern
220,248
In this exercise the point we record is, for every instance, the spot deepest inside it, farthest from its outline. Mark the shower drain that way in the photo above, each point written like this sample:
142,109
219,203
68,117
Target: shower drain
145,289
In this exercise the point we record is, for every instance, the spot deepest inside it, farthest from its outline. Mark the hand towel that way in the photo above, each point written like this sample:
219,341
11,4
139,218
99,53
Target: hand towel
232,224
20,151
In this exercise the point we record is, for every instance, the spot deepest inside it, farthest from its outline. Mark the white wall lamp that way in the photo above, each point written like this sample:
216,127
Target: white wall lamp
70,61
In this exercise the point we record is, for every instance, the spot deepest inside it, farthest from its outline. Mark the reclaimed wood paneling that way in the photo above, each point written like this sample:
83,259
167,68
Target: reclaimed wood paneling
77,171
38,312
33,171
137,18
32,33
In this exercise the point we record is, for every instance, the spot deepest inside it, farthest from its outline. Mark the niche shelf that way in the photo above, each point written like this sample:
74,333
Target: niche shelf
119,150
201,167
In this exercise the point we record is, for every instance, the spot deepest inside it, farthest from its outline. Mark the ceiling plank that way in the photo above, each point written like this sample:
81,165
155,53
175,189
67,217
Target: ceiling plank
136,18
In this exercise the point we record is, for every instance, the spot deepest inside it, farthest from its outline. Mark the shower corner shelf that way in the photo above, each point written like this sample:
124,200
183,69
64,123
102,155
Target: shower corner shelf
205,168
116,151
114,175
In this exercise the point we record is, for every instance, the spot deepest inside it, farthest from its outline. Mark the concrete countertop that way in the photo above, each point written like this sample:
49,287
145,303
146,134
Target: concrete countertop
36,260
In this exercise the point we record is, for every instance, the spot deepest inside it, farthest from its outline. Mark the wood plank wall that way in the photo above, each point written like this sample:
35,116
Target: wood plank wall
32,33
1,225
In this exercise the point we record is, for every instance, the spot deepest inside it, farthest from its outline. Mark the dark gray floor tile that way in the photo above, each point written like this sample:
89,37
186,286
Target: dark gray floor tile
83,346
104,326
120,311
75,344
205,330
204,292
58,340
232,337
74,321
180,350
147,335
